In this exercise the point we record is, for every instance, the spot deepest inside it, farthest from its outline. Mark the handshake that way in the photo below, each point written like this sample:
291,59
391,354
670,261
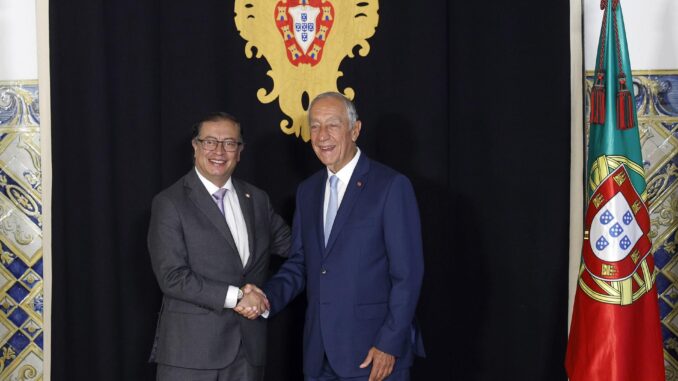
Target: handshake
253,303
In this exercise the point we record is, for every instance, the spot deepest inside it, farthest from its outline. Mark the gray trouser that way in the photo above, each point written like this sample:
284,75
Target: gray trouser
239,370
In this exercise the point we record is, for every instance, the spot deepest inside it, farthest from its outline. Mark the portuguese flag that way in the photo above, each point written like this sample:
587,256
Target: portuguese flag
615,333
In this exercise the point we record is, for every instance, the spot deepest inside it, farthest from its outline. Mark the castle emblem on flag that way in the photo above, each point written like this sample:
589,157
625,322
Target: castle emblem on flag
615,231
304,42
616,244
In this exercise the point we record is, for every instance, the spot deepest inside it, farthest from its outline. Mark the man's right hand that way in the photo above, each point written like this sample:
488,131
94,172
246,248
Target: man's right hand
253,303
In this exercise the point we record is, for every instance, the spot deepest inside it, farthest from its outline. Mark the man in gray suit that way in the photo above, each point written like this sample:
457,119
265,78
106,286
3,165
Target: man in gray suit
209,235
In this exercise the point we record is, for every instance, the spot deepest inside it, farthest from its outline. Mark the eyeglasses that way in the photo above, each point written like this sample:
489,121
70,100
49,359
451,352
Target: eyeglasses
211,144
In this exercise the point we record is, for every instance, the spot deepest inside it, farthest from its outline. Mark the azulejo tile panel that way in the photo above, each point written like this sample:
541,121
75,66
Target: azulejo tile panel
657,108
21,265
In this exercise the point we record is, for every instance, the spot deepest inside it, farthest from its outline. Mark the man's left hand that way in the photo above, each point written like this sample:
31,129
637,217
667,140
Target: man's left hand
382,364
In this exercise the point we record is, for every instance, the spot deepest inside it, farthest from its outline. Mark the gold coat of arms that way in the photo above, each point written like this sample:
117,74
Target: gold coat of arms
304,42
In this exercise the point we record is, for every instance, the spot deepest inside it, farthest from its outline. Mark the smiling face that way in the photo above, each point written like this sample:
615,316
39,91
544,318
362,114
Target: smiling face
218,165
332,137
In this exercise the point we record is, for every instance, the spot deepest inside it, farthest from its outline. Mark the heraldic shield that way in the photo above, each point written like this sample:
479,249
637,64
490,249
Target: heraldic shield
304,42
616,254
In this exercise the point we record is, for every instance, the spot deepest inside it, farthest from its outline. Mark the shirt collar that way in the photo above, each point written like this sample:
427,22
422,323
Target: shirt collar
345,173
211,188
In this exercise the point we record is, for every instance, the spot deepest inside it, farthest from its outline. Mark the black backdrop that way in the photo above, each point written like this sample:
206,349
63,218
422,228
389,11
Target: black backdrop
469,99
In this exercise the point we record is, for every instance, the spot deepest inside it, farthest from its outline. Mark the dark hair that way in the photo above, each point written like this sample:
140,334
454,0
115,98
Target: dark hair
216,117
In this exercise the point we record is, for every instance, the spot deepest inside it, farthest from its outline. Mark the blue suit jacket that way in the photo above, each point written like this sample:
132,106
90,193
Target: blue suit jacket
362,288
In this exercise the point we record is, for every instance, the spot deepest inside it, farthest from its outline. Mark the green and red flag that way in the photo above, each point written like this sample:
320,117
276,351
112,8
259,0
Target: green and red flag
615,333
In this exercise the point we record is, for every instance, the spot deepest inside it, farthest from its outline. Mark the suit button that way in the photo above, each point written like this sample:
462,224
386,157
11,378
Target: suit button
323,271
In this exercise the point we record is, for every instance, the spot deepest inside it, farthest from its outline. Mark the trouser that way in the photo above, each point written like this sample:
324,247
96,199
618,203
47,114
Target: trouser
239,370
328,374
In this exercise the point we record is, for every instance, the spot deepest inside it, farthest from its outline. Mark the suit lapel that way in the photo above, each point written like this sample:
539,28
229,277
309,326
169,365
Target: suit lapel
245,201
205,203
353,190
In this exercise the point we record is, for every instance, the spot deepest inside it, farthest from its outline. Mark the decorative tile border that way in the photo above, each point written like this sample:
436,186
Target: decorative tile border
21,264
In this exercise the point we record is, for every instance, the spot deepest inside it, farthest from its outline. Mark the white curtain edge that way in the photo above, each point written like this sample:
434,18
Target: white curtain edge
576,148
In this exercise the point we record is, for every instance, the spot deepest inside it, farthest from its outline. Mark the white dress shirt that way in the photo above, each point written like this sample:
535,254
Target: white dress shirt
344,176
237,226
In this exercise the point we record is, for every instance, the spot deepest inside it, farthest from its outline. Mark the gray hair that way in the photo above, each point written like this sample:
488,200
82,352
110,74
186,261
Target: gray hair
350,107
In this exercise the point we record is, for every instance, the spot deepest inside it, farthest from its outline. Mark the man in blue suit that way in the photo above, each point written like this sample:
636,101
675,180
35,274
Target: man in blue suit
356,248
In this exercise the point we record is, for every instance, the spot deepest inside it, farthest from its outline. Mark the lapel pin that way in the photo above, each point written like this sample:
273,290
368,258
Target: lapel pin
359,184
247,195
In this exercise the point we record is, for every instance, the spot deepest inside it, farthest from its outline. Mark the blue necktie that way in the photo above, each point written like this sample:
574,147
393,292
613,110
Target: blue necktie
332,207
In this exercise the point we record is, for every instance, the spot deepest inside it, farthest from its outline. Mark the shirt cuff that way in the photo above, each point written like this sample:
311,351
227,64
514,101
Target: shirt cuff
231,297
265,314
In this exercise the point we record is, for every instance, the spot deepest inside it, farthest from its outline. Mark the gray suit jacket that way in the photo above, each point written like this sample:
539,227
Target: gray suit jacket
195,259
